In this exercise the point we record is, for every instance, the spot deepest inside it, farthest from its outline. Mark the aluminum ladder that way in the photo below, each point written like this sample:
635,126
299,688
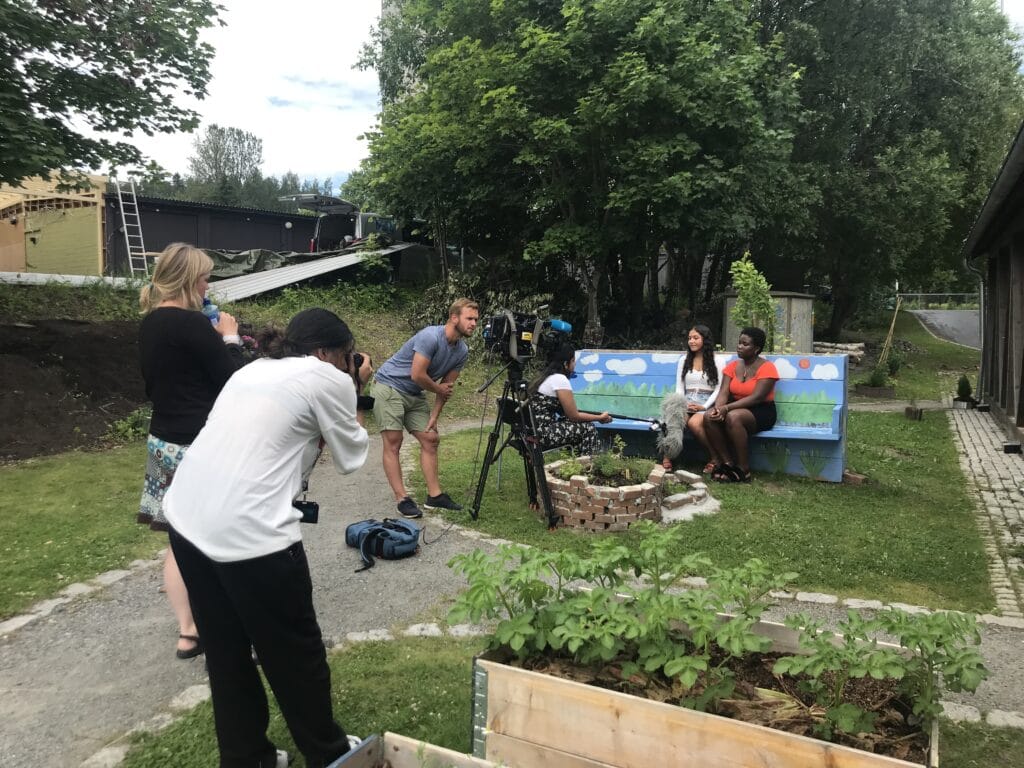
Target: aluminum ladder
131,226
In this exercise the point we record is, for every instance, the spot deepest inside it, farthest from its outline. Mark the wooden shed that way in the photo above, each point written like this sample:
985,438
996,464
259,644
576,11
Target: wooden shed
47,230
994,250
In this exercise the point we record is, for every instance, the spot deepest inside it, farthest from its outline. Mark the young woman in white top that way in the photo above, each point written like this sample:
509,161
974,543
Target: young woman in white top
559,422
699,382
237,539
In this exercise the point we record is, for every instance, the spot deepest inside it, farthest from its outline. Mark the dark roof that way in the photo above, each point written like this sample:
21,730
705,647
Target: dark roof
196,205
1008,178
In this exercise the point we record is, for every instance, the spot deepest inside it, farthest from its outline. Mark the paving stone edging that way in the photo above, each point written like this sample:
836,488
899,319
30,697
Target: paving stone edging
71,592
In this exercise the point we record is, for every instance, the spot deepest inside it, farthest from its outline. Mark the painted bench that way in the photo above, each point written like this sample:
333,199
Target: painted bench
809,438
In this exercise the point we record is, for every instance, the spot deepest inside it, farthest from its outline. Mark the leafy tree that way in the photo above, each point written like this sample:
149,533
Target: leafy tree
72,68
224,160
578,135
909,106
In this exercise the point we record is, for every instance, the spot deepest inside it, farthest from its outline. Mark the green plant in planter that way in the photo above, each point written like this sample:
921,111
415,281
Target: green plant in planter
619,609
943,645
830,666
636,624
937,645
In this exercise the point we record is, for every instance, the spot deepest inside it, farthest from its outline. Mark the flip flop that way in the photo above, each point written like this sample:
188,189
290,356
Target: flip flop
195,650
708,468
720,473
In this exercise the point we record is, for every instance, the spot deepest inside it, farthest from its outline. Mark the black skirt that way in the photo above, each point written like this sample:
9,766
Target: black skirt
764,415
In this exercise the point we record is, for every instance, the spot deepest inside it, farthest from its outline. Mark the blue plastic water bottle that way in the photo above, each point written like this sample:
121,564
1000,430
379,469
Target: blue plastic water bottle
211,311
561,325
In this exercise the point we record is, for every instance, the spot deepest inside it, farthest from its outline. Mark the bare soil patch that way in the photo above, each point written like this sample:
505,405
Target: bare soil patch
64,382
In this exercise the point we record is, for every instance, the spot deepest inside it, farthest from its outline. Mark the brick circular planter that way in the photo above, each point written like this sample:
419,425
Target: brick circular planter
604,507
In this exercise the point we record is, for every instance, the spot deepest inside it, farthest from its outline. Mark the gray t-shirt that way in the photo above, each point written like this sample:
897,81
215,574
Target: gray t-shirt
396,371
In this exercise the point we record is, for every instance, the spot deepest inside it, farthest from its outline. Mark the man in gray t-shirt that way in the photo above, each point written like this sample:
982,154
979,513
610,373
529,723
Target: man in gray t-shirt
430,360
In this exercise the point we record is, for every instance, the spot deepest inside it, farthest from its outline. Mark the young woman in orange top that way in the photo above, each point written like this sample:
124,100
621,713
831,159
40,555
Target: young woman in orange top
745,405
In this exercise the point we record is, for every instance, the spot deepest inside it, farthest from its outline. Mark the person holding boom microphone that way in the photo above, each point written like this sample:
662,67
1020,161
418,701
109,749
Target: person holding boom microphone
558,421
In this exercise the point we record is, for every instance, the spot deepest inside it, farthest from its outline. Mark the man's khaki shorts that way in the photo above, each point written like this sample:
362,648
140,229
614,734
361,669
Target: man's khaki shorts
397,410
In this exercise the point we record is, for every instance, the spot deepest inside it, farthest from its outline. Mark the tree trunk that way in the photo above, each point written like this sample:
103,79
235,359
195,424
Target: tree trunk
653,287
593,332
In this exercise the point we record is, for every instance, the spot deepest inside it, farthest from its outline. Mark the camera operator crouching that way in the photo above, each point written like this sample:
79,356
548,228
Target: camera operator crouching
235,533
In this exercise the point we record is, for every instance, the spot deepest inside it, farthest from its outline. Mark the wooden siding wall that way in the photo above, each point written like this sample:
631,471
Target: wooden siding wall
1003,343
12,240
61,241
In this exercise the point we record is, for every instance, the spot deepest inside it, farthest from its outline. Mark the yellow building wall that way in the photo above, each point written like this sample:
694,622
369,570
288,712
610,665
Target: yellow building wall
61,242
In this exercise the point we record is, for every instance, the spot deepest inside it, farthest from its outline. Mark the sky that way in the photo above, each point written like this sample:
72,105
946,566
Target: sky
289,78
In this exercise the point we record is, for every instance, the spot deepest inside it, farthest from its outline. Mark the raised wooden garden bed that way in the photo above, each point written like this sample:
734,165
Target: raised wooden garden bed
525,718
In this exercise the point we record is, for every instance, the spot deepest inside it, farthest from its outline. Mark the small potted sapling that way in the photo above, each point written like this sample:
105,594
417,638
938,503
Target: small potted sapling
964,398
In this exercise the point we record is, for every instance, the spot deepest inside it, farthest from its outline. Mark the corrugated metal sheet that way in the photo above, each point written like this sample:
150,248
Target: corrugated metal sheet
236,288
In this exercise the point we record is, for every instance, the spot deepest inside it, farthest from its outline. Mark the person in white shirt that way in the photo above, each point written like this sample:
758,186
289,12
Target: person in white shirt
558,421
696,390
237,538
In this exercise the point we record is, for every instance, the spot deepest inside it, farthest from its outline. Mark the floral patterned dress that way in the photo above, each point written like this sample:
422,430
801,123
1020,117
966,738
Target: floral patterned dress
554,430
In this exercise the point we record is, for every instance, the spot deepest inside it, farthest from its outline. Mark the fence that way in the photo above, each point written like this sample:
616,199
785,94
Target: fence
939,300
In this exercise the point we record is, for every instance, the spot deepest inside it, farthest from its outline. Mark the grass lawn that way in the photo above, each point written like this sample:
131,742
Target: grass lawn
931,368
420,687
67,518
906,535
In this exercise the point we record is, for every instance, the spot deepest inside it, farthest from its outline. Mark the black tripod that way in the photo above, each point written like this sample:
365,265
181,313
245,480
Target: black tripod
515,411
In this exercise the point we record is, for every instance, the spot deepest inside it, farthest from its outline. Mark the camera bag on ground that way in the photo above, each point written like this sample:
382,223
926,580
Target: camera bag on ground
387,538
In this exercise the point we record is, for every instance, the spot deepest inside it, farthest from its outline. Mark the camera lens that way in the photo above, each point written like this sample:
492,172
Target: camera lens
357,360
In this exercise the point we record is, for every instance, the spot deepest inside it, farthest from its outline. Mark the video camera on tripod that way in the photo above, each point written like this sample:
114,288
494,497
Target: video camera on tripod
517,336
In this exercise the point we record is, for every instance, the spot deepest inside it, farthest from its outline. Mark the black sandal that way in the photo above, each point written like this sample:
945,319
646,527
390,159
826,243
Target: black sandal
732,474
195,650
720,473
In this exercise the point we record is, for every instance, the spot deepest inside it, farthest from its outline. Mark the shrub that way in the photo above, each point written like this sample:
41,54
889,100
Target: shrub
879,377
963,388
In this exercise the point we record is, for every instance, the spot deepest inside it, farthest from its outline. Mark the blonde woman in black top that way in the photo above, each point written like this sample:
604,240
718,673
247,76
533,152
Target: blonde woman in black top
185,362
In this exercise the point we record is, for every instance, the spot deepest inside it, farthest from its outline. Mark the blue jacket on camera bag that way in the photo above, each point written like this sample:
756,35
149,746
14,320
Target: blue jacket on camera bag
387,538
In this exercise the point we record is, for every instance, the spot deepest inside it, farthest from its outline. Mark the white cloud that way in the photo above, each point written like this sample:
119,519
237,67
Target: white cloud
785,368
663,357
590,359
825,372
593,376
288,78
630,367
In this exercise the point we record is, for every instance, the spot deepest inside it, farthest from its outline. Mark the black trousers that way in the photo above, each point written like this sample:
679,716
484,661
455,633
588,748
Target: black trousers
265,602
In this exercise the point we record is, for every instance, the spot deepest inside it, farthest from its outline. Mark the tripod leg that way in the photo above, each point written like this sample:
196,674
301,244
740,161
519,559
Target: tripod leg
540,482
492,442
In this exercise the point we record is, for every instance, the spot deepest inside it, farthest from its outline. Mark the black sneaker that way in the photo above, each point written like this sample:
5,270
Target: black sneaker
408,508
441,501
